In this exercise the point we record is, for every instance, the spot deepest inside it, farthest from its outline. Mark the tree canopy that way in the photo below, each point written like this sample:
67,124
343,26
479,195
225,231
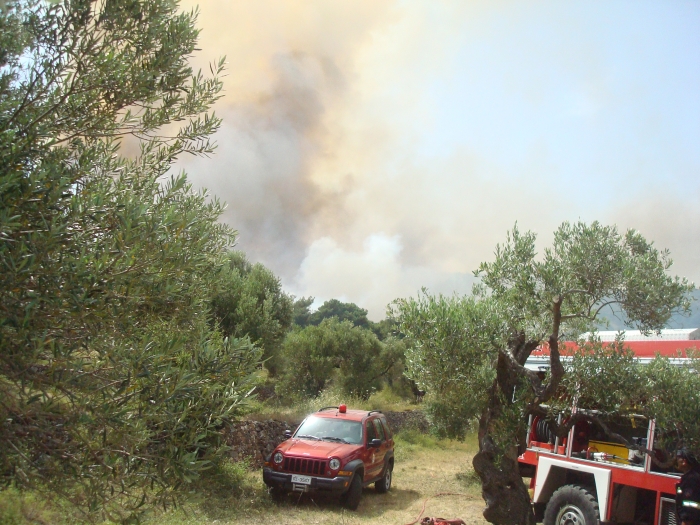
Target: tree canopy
334,351
112,381
251,303
470,352
338,309
301,311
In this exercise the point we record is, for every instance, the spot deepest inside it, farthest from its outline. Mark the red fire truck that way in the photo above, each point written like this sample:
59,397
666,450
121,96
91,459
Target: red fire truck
589,477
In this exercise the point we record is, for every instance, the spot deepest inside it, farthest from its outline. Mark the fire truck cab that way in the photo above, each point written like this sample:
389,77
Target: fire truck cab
589,477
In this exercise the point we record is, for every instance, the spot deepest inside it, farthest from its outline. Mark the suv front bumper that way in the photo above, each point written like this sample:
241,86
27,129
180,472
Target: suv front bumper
283,481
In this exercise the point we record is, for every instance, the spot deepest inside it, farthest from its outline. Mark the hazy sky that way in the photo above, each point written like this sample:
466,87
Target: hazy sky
370,148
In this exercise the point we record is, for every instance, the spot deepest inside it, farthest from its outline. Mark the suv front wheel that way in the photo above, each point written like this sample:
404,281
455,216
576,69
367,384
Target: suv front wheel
277,494
351,499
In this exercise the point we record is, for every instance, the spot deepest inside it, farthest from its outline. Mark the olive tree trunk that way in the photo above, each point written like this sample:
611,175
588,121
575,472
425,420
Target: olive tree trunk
506,496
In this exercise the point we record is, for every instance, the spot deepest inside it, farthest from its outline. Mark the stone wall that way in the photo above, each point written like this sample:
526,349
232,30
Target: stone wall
408,420
255,440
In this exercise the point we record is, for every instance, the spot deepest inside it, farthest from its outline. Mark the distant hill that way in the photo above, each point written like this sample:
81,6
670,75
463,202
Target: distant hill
677,321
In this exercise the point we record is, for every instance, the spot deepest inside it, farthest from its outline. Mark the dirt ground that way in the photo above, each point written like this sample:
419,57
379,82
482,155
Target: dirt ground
436,481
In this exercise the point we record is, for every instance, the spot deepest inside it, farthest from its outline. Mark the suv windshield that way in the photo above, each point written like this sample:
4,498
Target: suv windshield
331,430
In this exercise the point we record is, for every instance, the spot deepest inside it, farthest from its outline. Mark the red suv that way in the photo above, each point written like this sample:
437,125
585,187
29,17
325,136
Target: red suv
334,451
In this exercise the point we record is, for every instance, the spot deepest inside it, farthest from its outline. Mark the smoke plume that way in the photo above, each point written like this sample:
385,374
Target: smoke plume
371,148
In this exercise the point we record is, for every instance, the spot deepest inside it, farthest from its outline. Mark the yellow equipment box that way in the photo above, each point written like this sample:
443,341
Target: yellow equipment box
620,452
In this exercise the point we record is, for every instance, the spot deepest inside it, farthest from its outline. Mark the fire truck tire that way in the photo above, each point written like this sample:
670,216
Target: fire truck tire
572,505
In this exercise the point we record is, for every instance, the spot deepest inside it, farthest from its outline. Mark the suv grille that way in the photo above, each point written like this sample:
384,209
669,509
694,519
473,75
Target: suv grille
305,466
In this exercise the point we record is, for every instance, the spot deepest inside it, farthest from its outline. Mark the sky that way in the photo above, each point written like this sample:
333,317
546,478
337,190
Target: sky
372,148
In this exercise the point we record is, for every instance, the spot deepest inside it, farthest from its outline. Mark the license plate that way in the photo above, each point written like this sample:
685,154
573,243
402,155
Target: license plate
304,480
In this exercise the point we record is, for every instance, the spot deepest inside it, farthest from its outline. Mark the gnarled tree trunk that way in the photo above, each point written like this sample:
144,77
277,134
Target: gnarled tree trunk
506,496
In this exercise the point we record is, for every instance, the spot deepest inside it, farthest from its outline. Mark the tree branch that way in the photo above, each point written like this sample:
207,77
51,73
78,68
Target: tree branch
556,369
601,307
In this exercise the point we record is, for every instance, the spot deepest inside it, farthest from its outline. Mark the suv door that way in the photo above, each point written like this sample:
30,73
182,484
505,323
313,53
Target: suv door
387,433
370,452
377,458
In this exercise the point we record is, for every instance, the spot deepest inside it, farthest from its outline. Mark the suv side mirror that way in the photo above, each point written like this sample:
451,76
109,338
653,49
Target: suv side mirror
287,434
375,443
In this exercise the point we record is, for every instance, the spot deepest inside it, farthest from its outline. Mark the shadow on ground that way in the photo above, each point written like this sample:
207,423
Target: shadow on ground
371,504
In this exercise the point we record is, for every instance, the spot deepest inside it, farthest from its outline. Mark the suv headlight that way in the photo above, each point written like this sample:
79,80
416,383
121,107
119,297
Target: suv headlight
278,458
334,464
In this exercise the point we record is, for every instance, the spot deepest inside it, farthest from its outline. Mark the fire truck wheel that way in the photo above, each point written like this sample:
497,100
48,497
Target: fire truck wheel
572,505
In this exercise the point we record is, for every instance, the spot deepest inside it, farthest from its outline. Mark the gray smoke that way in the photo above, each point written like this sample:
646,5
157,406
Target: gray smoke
263,161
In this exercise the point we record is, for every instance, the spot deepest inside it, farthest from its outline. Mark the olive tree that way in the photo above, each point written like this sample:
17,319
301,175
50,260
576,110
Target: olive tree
112,381
333,352
470,352
251,304
342,311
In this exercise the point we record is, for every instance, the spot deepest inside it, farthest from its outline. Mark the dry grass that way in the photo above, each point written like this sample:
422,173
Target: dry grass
425,468
19,508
